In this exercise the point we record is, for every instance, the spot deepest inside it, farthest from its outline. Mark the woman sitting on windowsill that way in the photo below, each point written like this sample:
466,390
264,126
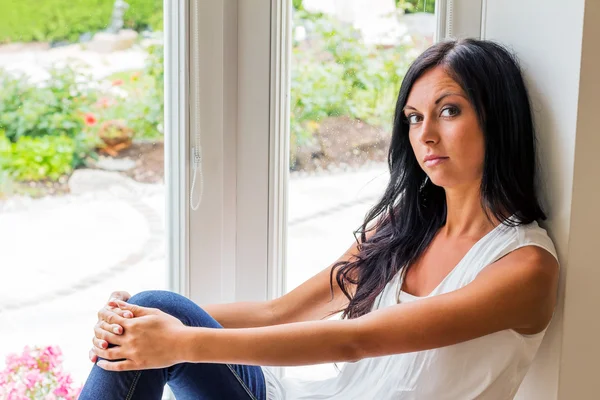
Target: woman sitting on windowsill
446,294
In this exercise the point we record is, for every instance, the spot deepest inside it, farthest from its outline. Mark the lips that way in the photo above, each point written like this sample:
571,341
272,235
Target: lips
432,160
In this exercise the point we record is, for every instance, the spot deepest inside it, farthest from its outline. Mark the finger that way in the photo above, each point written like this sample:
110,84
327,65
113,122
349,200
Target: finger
112,305
111,317
114,353
114,328
120,295
126,365
137,311
102,344
92,356
102,335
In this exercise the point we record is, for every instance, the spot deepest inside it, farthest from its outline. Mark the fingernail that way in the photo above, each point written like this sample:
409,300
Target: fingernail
128,315
117,330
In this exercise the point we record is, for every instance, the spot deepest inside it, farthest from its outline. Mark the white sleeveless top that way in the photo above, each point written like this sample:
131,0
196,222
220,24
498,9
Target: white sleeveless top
490,367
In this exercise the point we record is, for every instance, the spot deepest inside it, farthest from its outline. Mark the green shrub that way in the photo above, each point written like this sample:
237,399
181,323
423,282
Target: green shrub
71,104
34,159
411,6
155,94
53,109
297,4
337,74
141,109
57,20
144,14
135,112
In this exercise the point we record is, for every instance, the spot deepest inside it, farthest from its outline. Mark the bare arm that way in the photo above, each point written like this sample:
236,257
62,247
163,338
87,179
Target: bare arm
247,314
310,301
517,292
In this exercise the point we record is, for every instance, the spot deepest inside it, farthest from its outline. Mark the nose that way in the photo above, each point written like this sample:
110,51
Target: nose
429,133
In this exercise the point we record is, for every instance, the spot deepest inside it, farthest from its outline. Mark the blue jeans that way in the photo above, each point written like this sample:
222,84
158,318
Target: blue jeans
188,381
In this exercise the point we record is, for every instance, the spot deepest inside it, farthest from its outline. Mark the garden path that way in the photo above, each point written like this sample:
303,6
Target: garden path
36,60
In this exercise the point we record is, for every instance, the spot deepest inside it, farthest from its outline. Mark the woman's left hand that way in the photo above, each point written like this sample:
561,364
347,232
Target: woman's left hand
149,340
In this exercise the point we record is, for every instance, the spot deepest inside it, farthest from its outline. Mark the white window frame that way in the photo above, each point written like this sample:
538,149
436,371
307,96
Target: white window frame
237,238
176,142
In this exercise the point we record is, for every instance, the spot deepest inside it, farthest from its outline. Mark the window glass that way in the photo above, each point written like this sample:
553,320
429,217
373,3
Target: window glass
81,175
348,61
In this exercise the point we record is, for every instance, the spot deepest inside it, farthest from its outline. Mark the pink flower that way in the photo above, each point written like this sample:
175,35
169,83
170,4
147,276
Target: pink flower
17,393
61,391
90,119
36,372
104,102
64,378
4,375
33,378
117,82
13,361
50,356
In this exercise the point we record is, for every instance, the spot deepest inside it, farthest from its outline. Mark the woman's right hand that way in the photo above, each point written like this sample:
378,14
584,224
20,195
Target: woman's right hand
103,325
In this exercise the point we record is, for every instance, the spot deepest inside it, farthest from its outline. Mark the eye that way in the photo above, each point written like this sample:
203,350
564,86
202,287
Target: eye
414,118
450,111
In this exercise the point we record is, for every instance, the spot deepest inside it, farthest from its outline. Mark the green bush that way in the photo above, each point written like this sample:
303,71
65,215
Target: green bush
411,6
35,159
337,74
136,110
140,108
155,94
57,20
297,4
48,129
53,109
144,14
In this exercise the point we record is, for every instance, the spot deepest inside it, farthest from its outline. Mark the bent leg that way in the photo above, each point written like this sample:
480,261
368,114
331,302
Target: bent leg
201,381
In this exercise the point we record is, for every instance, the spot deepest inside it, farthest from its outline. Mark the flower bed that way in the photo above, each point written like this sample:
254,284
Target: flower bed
37,374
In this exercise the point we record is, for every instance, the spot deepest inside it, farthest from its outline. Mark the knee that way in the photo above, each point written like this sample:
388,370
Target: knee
176,305
162,299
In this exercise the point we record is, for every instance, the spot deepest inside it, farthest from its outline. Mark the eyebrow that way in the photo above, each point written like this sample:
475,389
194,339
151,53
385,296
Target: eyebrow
438,100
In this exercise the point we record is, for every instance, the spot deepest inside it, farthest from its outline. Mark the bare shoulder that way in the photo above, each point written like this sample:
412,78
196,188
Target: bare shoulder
530,261
534,273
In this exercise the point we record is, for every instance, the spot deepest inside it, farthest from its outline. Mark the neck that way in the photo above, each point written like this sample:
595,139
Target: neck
465,213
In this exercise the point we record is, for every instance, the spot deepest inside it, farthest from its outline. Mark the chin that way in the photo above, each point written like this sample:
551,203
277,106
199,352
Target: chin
449,182
442,181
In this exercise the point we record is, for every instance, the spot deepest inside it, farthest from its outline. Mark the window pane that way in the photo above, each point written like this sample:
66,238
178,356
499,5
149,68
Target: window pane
348,60
81,169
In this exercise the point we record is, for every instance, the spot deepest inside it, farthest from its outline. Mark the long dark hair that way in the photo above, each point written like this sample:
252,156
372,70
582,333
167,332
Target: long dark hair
412,209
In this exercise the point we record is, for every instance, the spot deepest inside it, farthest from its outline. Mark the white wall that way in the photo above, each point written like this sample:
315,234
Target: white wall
581,331
547,36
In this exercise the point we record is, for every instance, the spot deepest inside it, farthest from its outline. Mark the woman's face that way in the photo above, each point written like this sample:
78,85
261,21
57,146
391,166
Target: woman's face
444,131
